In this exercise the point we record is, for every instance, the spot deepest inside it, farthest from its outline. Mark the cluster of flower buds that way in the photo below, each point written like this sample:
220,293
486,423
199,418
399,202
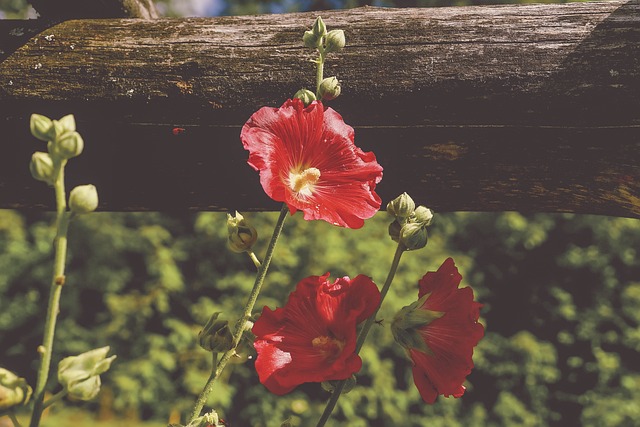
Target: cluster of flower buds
242,235
63,143
14,391
325,42
410,225
216,335
80,375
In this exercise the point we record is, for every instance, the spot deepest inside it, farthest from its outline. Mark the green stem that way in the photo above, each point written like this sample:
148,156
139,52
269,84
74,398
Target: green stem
241,325
319,71
362,336
14,419
60,248
55,398
254,258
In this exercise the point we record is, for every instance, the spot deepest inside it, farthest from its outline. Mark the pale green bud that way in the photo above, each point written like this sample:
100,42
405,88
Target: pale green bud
329,88
319,28
402,207
66,124
80,375
242,235
413,236
42,127
423,216
207,420
14,390
42,167
334,41
306,96
216,335
310,40
83,199
66,146
407,322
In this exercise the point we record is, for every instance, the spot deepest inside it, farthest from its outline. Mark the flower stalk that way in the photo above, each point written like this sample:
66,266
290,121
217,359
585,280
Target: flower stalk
57,282
243,322
362,336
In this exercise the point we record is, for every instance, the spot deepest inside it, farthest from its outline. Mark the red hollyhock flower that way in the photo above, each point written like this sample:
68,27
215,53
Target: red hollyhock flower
439,331
307,159
313,337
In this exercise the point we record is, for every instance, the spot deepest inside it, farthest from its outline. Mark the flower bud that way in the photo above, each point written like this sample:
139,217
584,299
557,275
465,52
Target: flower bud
310,40
407,322
66,124
394,231
42,168
242,235
14,390
66,146
334,41
80,375
216,335
207,420
329,88
423,216
402,207
306,96
413,236
319,28
83,199
42,127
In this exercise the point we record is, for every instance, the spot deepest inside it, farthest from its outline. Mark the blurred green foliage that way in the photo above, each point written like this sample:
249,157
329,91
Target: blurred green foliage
561,297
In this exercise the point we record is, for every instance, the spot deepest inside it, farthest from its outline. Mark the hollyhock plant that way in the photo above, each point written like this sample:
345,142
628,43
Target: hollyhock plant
307,159
313,337
439,332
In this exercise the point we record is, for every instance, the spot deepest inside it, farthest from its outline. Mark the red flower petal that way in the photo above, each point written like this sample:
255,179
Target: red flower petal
312,338
307,159
450,338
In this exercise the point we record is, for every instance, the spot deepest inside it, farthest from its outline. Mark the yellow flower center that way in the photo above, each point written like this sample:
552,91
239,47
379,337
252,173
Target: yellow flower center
303,182
328,347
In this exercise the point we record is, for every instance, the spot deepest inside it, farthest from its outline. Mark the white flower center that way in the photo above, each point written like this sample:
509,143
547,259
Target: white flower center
303,182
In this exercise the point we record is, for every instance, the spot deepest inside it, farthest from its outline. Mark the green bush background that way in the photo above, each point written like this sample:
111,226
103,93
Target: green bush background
561,297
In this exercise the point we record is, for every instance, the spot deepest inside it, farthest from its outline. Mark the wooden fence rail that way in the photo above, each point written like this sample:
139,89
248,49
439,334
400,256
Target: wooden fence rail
529,108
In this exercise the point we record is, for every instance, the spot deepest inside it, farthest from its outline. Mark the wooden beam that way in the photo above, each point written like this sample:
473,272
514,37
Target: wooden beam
530,108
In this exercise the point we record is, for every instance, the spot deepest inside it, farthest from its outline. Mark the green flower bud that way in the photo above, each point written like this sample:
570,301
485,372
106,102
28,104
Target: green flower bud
334,41
66,146
329,88
42,168
306,96
394,231
319,28
413,236
83,199
80,375
402,207
14,390
423,216
407,322
66,124
207,420
242,235
216,335
42,127
310,40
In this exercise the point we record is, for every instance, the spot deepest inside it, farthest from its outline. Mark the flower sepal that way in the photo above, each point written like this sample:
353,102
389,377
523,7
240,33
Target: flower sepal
330,386
216,335
407,322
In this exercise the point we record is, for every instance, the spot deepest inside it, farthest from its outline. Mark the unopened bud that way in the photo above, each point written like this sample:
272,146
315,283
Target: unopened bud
423,216
394,231
83,199
14,390
242,235
319,28
42,168
66,146
306,96
310,40
216,335
413,236
80,374
334,41
42,127
66,124
329,88
402,207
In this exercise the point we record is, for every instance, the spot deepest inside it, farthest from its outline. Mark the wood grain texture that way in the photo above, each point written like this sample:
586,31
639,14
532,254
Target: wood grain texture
530,108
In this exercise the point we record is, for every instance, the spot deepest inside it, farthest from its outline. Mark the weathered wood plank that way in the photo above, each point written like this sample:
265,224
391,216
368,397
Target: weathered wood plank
530,108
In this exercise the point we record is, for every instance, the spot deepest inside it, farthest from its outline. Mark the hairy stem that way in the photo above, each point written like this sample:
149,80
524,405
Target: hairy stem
60,248
241,325
362,336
